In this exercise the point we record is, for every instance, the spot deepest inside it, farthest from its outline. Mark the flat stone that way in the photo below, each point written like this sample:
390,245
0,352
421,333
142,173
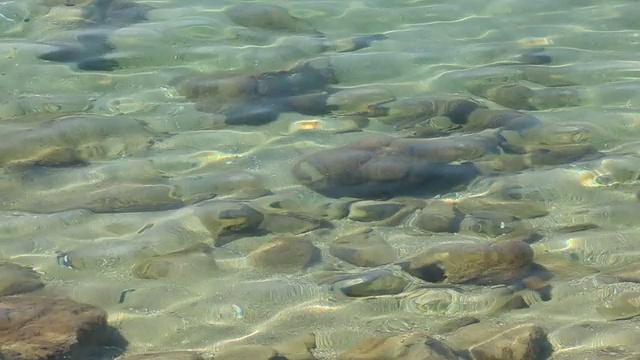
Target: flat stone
38,328
371,210
285,254
186,264
463,262
365,248
16,279
524,342
371,283
408,346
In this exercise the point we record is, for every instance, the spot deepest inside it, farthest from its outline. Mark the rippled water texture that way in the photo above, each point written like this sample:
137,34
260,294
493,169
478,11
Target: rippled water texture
224,173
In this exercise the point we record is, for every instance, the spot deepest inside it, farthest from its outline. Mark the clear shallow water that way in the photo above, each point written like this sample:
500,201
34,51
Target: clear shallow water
143,140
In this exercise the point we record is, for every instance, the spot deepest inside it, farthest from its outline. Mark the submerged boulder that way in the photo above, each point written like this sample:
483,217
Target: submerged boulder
382,168
459,263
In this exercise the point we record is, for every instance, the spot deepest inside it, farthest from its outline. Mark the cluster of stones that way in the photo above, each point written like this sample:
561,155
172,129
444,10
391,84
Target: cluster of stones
447,142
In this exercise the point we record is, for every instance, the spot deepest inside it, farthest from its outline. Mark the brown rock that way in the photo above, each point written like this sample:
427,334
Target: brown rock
462,262
16,279
439,216
408,346
525,342
35,327
285,254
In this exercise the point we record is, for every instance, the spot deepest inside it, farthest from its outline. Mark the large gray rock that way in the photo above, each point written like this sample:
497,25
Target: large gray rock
381,168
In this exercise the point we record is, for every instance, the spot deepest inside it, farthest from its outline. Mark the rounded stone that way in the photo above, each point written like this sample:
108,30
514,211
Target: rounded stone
285,254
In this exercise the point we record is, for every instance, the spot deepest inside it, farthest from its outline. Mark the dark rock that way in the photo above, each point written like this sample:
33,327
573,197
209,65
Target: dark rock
481,119
384,167
285,254
463,262
363,248
259,99
38,328
16,279
513,96
407,113
102,17
408,346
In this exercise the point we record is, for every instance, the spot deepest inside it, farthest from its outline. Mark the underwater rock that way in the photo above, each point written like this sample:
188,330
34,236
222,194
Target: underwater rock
381,168
499,225
363,248
187,263
297,347
16,279
254,352
407,346
439,216
228,220
268,17
100,18
259,99
285,254
425,117
625,305
174,355
37,327
193,188
74,140
524,342
481,119
371,283
522,209
455,324
459,263
371,210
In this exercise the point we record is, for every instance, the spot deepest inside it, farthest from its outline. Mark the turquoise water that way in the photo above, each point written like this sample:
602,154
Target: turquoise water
113,165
